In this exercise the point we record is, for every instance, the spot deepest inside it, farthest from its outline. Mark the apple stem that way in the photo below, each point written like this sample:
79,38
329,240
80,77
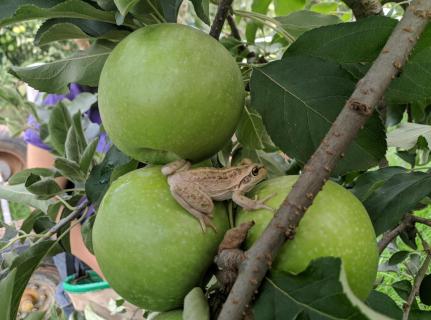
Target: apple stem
358,108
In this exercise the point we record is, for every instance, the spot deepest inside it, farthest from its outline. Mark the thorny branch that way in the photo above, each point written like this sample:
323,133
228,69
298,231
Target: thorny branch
364,8
221,15
351,119
409,221
418,280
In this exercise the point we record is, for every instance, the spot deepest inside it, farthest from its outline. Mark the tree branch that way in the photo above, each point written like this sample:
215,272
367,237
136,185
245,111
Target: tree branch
221,15
351,119
364,8
418,280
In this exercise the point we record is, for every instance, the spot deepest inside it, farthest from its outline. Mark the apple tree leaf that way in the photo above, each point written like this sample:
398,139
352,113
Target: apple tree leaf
202,9
196,305
283,8
397,196
21,177
380,302
58,125
406,135
425,290
87,155
64,9
299,22
398,257
367,183
124,6
6,294
251,132
319,292
170,9
18,193
83,68
43,188
69,169
9,7
259,6
299,98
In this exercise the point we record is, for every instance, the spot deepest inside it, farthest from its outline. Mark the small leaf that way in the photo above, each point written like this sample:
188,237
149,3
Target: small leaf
123,169
402,288
58,124
80,137
86,232
69,169
251,132
36,315
27,225
170,9
407,134
398,257
283,8
58,32
71,146
196,305
87,155
6,294
202,9
259,6
81,103
65,9
425,290
319,292
83,68
18,193
44,188
98,181
397,196
21,177
125,5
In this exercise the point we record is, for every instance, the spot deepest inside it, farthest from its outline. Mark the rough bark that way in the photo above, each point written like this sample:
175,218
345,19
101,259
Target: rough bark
220,18
364,8
351,119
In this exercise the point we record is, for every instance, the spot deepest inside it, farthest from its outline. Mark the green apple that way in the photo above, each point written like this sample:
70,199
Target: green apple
337,224
151,250
170,91
171,315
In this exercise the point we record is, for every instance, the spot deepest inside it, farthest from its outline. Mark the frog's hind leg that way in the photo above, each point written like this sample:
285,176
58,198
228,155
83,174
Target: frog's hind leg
196,202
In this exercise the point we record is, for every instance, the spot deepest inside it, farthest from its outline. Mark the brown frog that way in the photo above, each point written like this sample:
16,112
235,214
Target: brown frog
195,189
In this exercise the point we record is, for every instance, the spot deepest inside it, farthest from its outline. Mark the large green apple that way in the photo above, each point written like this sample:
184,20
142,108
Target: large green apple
337,224
170,91
152,251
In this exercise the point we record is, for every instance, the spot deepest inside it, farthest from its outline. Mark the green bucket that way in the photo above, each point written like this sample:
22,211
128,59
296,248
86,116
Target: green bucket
92,282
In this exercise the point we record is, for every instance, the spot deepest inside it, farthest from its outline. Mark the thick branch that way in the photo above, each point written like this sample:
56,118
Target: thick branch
418,280
351,119
221,15
364,8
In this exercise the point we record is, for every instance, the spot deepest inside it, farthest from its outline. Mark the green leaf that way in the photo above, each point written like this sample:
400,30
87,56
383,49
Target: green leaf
170,9
18,193
398,195
123,169
325,7
425,290
81,103
299,22
44,188
398,257
58,124
369,182
283,7
402,288
407,134
383,304
64,29
71,146
21,177
83,68
259,6
196,305
202,8
87,155
98,182
319,292
8,7
343,42
25,264
86,232
69,169
299,98
37,315
6,294
27,225
251,132
413,83
66,9
124,6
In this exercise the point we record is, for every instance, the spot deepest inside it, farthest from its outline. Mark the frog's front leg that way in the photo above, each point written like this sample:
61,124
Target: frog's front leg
175,166
196,202
249,204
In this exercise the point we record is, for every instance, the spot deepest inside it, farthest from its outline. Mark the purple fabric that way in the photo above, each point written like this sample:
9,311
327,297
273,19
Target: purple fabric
52,99
31,134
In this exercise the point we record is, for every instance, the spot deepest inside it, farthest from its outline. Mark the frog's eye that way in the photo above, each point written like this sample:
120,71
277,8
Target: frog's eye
255,171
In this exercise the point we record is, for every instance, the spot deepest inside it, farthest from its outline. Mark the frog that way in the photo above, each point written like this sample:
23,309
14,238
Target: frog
195,189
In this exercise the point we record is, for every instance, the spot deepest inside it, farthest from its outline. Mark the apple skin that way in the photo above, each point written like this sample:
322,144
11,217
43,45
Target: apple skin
151,250
169,91
336,224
